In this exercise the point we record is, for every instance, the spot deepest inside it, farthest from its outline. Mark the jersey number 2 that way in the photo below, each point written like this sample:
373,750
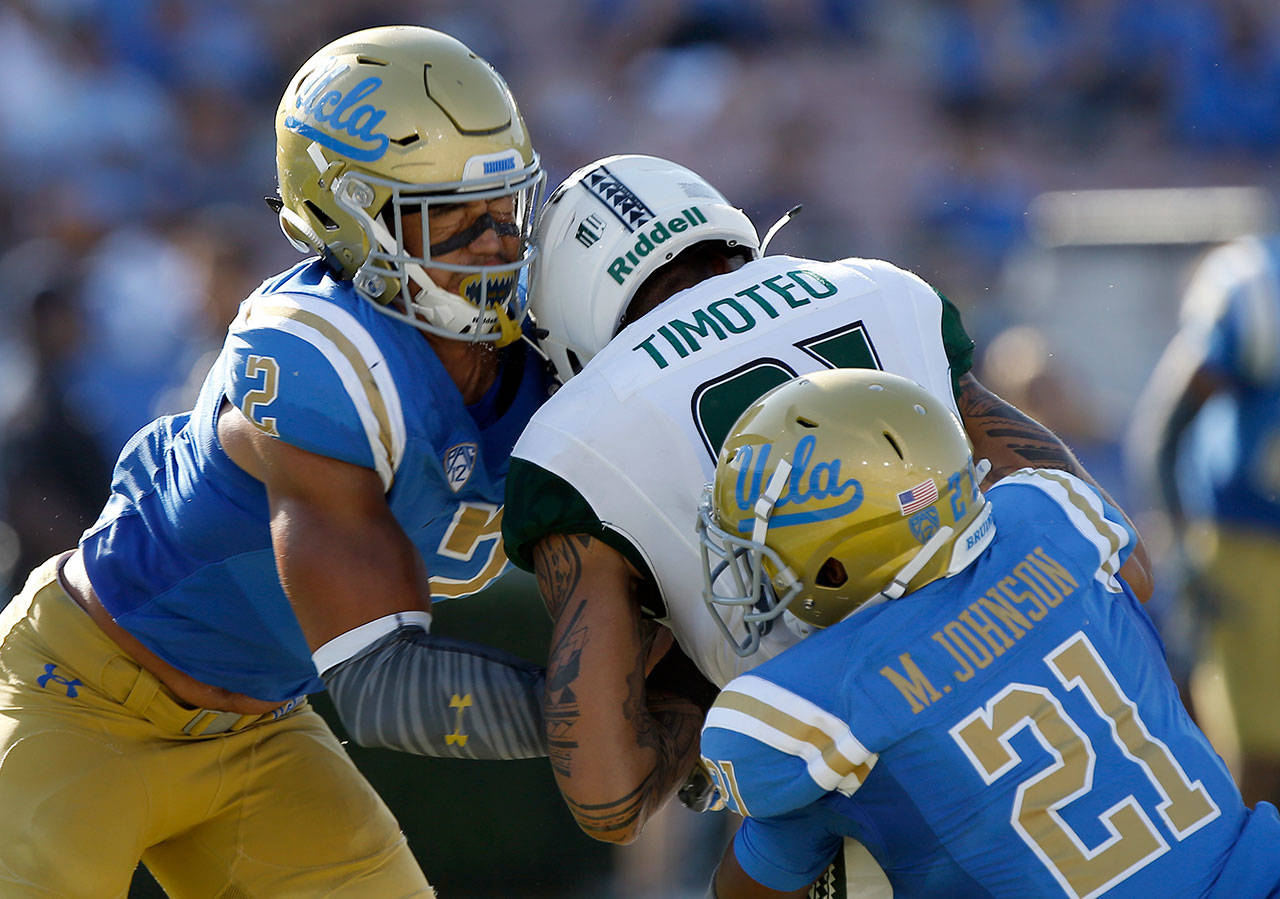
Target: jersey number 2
1133,841
269,370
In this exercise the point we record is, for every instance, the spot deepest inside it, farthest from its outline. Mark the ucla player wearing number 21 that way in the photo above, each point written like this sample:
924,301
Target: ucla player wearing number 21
981,700
342,469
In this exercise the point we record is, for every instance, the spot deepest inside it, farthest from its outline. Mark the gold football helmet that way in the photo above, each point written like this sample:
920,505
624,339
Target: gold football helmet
394,122
832,491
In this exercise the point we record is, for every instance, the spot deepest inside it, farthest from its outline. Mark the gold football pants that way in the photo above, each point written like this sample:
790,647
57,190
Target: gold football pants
101,767
1240,672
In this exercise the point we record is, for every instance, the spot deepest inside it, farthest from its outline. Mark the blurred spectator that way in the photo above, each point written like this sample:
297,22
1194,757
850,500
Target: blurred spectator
1225,91
971,205
994,57
54,473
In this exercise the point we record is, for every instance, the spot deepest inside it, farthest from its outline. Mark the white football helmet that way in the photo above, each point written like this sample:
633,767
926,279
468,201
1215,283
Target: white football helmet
607,228
393,121
832,491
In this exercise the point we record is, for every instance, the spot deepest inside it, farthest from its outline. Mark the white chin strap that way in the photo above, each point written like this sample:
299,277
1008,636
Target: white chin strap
768,499
898,585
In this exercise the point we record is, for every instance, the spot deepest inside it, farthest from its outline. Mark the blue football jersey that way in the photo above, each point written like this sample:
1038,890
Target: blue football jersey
1009,731
1229,461
181,555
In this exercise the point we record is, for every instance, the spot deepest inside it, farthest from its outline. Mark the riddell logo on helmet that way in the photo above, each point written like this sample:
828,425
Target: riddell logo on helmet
338,111
650,240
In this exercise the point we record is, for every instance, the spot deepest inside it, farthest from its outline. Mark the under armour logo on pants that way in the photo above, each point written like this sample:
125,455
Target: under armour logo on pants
44,679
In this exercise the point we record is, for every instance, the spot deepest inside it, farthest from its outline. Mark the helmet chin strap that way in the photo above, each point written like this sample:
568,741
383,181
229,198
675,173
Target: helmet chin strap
768,499
980,532
778,225
898,585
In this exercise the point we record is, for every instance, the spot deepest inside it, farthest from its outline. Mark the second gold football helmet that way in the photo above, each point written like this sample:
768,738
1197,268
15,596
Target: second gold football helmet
831,491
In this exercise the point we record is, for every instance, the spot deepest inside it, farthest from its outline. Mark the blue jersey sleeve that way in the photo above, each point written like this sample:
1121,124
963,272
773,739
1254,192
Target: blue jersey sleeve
1105,539
787,852
772,751
306,372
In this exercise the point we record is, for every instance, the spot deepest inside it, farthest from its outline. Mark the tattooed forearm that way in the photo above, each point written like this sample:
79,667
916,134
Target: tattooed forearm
606,820
558,568
681,721
618,752
1031,445
1007,437
560,708
1011,440
671,726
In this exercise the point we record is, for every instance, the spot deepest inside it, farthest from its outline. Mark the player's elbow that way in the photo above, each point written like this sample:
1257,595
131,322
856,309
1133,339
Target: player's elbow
618,834
612,811
1136,572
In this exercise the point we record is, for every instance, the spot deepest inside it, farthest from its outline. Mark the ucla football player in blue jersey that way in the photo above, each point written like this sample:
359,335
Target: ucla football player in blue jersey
342,469
1207,438
980,699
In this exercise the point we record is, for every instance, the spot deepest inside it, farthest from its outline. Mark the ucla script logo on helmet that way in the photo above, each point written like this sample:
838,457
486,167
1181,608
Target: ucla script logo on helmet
809,481
322,111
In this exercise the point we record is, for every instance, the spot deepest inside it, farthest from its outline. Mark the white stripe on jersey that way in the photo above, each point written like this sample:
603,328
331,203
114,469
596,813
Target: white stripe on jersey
1084,509
386,437
782,720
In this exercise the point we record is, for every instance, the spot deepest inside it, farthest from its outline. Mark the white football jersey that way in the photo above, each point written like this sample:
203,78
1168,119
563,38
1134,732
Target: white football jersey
636,433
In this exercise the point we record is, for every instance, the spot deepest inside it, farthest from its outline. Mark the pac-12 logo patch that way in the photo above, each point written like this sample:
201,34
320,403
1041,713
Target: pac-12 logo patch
924,524
459,462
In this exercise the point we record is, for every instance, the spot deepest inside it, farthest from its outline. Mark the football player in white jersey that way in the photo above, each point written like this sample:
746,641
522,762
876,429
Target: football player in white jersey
665,321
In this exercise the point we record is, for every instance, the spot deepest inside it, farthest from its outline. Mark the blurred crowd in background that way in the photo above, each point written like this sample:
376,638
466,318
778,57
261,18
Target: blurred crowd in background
136,145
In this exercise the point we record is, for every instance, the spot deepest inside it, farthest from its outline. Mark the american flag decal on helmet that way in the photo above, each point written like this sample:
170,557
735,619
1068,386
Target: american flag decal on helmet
923,494
620,200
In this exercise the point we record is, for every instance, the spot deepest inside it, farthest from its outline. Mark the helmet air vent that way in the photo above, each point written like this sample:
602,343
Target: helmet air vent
831,574
370,61
321,216
893,443
806,422
407,140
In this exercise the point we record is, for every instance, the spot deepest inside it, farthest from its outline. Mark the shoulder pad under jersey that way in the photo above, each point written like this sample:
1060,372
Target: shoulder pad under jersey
307,371
1105,537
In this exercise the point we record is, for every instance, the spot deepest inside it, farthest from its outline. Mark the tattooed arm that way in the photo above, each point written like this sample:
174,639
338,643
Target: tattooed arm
1011,440
618,751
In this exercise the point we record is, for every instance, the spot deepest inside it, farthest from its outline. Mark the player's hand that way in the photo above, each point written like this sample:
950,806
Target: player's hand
698,792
